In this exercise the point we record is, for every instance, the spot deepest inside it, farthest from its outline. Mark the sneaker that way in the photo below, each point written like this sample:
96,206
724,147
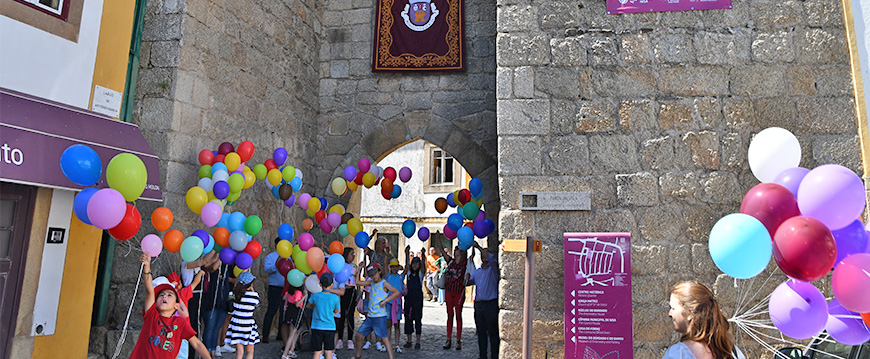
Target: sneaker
228,348
380,347
217,352
367,346
407,344
398,349
338,345
417,346
350,344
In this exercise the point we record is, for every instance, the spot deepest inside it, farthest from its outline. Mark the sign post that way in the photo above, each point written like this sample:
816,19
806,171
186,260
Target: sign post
529,246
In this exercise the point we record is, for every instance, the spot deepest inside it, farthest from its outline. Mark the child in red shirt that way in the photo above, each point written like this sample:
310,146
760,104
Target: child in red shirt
162,331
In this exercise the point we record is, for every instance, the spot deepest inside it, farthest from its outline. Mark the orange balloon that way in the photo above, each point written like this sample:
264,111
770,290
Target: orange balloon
161,218
221,236
866,317
172,240
387,185
336,248
441,205
314,257
307,224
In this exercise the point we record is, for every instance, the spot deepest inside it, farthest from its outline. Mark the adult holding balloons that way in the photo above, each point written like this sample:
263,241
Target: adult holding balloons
454,289
273,293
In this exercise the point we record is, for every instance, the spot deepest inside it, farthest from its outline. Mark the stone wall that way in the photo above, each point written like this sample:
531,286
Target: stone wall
653,113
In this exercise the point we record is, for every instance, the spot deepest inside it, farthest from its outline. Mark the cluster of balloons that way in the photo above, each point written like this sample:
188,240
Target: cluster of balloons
369,175
469,221
106,208
295,261
222,177
808,220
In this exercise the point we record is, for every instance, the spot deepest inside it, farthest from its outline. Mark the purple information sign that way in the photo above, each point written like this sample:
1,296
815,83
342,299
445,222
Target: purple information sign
598,296
630,6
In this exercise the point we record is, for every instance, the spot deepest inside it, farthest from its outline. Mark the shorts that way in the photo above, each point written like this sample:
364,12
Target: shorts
322,340
291,315
376,324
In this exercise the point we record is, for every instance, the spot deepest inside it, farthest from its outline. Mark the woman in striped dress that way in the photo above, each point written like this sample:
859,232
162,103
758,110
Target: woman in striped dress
242,332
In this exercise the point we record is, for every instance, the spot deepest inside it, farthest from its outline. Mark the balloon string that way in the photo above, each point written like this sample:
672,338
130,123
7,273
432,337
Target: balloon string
127,321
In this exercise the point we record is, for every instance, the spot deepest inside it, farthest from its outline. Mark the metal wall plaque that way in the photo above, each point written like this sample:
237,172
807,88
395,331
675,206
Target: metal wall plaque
556,201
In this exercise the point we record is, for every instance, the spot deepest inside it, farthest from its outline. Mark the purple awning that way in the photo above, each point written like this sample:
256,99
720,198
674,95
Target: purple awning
34,132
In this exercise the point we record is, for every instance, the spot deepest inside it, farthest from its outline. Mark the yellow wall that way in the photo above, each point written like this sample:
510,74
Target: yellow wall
113,49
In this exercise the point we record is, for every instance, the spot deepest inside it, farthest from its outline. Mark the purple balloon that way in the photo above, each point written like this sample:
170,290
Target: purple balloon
481,229
350,173
324,225
334,219
846,326
490,226
290,201
228,256
791,178
344,274
480,216
423,234
303,200
221,189
203,235
798,309
833,194
106,208
279,156
851,239
244,260
405,174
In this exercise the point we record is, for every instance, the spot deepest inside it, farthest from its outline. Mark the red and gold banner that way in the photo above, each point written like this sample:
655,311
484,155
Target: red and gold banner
419,35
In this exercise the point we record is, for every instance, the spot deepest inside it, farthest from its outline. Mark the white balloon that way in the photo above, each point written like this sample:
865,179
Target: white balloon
206,184
299,174
313,284
772,151
220,175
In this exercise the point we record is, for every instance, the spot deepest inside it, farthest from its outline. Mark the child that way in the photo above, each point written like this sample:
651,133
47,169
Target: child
162,330
184,296
394,307
242,331
325,304
377,319
414,303
294,298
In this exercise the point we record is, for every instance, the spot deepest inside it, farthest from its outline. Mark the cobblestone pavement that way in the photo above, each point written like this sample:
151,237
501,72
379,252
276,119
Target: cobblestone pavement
434,335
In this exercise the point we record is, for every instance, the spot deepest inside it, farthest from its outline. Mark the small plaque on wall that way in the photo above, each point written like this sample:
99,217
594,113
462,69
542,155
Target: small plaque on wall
555,201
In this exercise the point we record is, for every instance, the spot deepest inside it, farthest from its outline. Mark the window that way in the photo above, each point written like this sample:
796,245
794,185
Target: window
59,17
51,6
442,167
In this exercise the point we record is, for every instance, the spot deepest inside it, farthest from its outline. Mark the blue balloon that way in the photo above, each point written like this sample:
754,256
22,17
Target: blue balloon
344,275
285,231
80,204
361,239
225,220
481,229
466,238
228,256
408,228
455,221
296,184
237,221
218,166
279,156
475,186
490,226
335,263
208,247
397,191
244,260
740,245
81,164
238,240
449,199
221,189
323,203
276,192
202,234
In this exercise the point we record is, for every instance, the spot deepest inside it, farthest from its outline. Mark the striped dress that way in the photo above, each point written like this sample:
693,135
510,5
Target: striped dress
243,328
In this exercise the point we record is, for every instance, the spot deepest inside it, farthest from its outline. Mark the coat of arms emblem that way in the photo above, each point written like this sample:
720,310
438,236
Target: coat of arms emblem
419,15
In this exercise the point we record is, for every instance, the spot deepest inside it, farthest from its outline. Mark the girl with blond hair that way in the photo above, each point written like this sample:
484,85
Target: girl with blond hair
705,331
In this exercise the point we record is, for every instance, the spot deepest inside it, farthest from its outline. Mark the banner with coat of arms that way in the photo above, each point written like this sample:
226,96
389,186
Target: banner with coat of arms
419,35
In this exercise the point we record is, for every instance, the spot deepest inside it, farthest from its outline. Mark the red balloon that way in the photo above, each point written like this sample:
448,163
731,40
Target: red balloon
771,204
866,317
469,225
254,248
804,248
387,185
464,196
390,173
358,179
218,158
225,148
284,266
319,216
206,157
128,226
245,150
386,195
270,164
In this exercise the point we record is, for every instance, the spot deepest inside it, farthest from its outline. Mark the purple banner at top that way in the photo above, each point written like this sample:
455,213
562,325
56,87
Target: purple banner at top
598,296
632,6
34,133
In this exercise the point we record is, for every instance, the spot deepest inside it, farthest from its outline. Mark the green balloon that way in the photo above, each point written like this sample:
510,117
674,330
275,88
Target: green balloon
253,224
205,171
191,249
295,277
289,173
217,248
342,230
301,262
236,182
126,173
260,171
471,210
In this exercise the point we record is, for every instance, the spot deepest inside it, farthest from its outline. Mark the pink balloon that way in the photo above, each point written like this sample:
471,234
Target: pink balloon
106,208
334,219
303,200
324,225
210,214
306,241
851,282
405,174
152,245
449,233
771,204
364,165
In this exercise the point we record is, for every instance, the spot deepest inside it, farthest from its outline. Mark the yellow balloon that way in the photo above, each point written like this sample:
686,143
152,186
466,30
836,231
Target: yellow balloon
369,180
211,196
232,160
196,198
220,202
339,186
274,176
314,204
352,185
250,179
354,226
310,213
237,270
289,173
337,209
285,249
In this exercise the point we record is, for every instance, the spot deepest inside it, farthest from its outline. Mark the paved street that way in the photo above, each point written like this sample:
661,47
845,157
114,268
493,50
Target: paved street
434,335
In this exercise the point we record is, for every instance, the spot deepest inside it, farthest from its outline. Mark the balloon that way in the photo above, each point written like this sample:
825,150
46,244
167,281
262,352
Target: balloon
454,221
351,185
284,191
339,186
208,247
319,216
334,219
288,173
377,171
152,245
296,278
260,171
771,204
315,258
354,226
238,240
221,189
236,221
232,160
740,245
481,229
250,179
126,173
296,183
191,249
397,191
225,148
408,228
236,182
772,151
349,173
270,164
832,194
390,173
245,150
798,309
303,200
449,232
346,217
313,284
210,214
81,165
466,237
368,180
301,261
206,184
284,248
361,239
450,200
866,318
196,197
364,165
490,226
791,178
440,205
254,249
106,208
851,282
205,157
851,239
387,186
307,224
253,224
405,174
342,230
236,270
343,275
276,191
222,236
475,186
172,240
218,167
471,210
335,263
279,156
845,326
80,204
423,234
274,176
324,226
285,231
244,260
228,256
284,266
336,248
205,171
290,201
804,248
202,235
464,196
306,241
129,224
